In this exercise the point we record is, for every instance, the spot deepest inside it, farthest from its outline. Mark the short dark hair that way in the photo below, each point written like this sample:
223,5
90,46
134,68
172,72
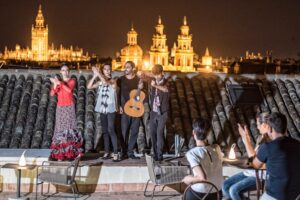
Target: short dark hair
262,117
157,69
278,122
201,128
131,63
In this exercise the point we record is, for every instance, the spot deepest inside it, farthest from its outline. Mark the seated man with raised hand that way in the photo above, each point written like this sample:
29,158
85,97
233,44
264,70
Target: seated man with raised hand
205,161
282,158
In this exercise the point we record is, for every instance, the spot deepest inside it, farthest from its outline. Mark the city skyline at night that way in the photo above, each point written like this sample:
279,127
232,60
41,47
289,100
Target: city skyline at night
227,28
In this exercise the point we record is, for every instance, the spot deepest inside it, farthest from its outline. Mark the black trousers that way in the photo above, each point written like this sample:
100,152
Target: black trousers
108,129
131,124
190,195
157,126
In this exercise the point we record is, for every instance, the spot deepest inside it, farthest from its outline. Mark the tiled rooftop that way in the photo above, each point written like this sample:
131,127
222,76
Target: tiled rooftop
27,112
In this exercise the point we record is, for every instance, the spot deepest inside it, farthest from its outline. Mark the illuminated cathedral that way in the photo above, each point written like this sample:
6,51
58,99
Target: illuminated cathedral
184,52
131,52
40,50
181,58
159,53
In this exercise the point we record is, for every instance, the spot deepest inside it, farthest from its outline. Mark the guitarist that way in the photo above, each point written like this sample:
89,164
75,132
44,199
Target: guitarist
159,99
126,83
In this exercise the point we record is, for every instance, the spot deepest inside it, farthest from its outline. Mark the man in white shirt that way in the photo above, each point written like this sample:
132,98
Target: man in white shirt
205,161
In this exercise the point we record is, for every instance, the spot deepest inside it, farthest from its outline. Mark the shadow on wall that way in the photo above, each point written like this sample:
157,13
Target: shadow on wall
89,182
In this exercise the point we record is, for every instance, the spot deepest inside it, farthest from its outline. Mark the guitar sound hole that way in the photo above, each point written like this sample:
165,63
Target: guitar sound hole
134,108
137,98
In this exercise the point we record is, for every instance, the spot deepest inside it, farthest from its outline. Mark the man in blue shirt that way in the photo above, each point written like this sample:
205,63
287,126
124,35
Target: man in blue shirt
282,158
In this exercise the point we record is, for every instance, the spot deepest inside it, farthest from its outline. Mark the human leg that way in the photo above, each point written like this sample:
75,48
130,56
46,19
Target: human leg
161,123
247,183
231,181
112,132
104,125
125,122
153,129
134,131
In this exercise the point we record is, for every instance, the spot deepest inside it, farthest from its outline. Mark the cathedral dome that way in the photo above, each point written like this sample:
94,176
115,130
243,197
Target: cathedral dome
135,50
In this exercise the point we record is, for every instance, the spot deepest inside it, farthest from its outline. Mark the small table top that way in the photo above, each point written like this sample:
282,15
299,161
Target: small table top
242,162
17,166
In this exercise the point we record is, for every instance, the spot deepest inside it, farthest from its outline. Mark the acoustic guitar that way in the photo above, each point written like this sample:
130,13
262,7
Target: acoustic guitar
134,107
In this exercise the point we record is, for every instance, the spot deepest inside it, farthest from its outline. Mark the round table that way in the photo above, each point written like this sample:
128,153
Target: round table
19,168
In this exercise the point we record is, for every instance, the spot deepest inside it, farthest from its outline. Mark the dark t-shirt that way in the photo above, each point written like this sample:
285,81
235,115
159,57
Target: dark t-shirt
126,85
282,158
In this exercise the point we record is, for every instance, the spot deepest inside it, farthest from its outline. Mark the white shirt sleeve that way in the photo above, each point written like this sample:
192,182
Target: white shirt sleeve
193,159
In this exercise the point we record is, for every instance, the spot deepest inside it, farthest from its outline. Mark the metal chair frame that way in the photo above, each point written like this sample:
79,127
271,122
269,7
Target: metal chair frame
44,174
212,188
168,175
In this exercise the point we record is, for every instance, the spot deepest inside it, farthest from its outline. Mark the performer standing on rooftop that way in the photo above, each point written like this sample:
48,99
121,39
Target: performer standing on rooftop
129,125
67,141
106,105
159,99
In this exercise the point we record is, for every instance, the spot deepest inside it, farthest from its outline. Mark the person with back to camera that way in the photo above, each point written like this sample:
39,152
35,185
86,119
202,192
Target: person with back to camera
205,161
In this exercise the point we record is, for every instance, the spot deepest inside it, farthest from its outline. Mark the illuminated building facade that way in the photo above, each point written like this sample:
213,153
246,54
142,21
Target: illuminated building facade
39,46
39,38
159,53
131,52
207,59
182,56
184,52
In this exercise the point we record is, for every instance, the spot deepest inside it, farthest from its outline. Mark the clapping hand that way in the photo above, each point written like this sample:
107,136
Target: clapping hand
54,81
244,133
95,71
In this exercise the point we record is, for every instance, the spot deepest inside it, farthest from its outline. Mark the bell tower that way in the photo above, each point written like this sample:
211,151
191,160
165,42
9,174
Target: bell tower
159,53
184,52
39,38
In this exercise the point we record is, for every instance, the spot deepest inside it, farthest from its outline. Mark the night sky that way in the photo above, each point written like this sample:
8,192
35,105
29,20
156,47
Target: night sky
227,27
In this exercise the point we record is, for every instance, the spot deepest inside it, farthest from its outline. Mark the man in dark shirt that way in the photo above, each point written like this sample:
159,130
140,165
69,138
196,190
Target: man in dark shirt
282,158
159,100
126,83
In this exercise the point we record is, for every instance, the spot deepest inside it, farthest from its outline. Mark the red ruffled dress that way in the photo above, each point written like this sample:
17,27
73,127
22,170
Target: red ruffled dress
67,141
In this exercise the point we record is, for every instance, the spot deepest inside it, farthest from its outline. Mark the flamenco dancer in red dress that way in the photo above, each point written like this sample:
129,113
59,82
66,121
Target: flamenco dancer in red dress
67,142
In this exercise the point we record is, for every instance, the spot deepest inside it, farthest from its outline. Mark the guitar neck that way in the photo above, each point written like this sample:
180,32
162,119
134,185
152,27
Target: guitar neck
138,91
